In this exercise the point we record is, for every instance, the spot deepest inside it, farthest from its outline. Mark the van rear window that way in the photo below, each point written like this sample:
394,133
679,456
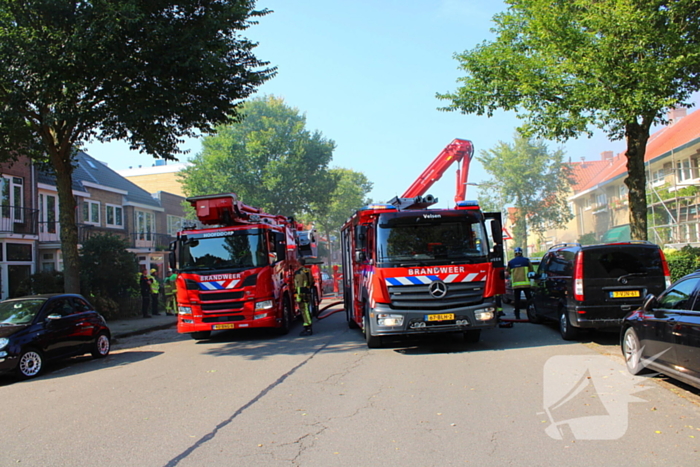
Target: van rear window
619,261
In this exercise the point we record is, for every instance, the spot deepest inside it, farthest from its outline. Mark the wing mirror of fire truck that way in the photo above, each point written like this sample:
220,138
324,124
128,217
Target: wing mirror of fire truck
360,236
171,255
360,256
280,247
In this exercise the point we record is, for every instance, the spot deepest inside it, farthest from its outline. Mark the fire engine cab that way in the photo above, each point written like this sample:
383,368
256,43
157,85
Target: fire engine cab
408,269
237,271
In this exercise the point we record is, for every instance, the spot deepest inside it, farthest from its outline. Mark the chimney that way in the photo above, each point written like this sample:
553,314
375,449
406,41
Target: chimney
606,156
675,114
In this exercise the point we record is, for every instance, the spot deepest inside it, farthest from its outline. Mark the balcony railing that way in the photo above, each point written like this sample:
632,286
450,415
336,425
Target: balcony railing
50,231
151,240
19,220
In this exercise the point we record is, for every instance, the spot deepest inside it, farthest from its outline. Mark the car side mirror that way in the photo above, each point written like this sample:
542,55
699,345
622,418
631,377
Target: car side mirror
650,302
53,317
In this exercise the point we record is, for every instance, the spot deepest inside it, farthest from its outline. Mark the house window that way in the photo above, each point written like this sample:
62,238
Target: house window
687,169
12,198
602,200
145,222
19,252
48,206
624,191
174,225
91,212
114,215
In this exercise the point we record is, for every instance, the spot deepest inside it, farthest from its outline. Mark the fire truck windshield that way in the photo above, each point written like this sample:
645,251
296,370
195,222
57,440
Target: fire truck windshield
241,249
428,239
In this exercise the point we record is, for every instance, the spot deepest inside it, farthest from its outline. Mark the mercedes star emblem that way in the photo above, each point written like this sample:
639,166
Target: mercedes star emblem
437,289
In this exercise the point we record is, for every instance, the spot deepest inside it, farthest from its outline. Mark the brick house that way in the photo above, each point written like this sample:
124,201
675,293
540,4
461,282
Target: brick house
106,203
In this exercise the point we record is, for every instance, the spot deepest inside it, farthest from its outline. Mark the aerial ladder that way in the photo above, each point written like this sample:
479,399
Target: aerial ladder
458,151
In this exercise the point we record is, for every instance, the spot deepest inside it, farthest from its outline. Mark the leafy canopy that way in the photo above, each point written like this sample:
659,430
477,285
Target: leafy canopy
147,72
566,66
535,181
269,159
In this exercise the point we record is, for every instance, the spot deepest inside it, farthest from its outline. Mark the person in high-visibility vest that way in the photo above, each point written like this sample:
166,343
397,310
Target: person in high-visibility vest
519,269
303,282
155,291
170,294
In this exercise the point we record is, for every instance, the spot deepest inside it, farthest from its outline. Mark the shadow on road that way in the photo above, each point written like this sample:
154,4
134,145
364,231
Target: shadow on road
82,364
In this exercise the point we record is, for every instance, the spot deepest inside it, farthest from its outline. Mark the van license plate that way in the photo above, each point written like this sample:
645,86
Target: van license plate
440,317
625,294
218,327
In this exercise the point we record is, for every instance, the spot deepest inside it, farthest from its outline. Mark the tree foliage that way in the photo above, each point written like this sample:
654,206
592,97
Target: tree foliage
107,268
149,73
532,179
349,195
269,159
566,66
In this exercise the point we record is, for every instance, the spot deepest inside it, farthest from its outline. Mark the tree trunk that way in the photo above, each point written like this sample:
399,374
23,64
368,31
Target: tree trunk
330,249
63,166
637,136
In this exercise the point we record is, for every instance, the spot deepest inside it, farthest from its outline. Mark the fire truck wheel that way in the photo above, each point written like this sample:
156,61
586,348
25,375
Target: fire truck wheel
373,342
286,318
199,335
472,336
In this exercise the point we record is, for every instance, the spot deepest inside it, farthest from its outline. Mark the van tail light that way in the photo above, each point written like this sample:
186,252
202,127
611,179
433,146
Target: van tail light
578,276
667,271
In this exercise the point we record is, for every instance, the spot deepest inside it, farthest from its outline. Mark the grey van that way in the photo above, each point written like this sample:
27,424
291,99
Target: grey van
595,286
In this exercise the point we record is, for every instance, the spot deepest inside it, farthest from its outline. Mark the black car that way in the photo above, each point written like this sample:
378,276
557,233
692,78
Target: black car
39,328
595,286
664,334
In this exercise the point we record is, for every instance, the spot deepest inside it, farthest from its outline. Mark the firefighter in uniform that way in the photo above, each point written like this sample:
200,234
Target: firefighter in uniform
303,281
519,269
170,294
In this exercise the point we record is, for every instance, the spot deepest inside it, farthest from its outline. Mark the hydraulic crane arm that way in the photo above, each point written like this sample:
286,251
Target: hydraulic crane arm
459,150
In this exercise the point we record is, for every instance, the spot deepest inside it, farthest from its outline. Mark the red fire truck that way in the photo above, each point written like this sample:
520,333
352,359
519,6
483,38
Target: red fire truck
408,269
237,271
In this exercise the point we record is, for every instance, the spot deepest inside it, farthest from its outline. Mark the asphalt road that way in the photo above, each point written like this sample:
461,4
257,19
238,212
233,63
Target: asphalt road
520,397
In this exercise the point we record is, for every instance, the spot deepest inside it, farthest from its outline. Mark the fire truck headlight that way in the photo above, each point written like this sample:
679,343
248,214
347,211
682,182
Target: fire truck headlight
264,305
484,314
386,319
184,310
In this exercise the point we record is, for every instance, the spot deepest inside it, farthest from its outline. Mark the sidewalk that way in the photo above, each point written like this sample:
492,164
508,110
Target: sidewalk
133,326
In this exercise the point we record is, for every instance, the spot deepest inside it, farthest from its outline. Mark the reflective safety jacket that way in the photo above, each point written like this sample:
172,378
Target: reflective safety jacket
518,268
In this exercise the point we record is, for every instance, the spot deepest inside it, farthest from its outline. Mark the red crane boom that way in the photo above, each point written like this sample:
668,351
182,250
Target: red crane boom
459,150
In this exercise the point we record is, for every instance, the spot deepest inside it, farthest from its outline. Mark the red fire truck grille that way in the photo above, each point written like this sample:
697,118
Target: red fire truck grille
225,306
212,296
458,294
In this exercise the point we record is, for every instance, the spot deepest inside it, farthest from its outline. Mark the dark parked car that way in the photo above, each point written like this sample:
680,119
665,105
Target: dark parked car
39,328
509,297
664,334
595,286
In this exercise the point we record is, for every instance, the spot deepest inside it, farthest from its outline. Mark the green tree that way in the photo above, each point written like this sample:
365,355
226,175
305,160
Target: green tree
107,267
149,73
269,159
349,195
533,180
567,66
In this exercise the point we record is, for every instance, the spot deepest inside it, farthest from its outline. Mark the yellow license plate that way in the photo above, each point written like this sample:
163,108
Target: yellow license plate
218,327
625,293
440,317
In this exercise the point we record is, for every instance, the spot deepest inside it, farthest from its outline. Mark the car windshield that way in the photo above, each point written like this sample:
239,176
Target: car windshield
224,250
424,239
19,311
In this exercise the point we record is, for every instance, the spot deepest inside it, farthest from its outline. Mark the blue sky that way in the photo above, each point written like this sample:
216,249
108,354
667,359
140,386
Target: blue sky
365,74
